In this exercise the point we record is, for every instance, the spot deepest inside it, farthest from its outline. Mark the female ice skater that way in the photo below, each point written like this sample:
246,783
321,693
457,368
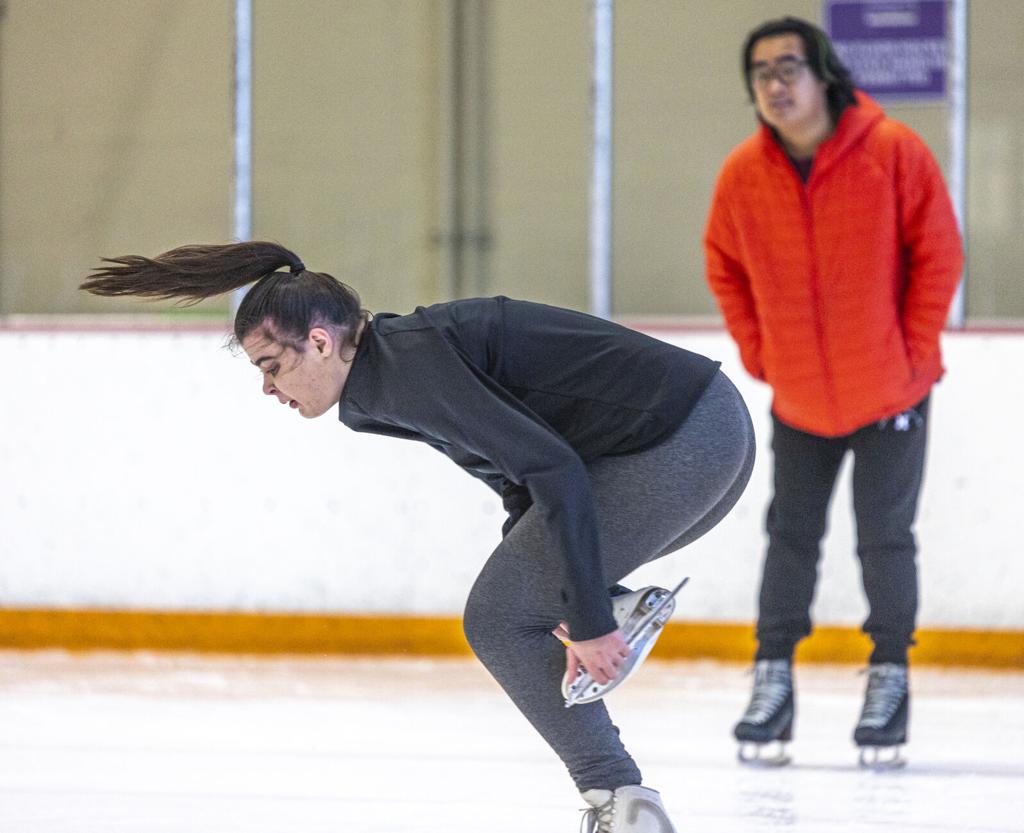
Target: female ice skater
609,448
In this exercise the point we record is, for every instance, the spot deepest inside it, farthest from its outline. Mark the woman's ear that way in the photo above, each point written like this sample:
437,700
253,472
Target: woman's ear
321,341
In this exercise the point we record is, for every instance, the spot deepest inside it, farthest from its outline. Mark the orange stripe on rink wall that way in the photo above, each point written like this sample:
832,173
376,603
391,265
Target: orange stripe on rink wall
269,633
949,647
250,633
984,649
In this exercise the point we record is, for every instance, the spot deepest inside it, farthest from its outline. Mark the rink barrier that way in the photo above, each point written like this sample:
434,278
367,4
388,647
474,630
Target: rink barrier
275,633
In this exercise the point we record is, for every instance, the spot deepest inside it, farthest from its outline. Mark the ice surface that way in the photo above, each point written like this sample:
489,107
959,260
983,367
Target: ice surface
105,743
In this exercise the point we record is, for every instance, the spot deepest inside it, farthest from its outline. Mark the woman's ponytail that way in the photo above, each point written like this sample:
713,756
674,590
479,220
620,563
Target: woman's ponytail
284,306
191,273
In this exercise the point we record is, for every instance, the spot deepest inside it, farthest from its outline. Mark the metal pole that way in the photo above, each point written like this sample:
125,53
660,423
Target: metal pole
242,209
958,145
601,172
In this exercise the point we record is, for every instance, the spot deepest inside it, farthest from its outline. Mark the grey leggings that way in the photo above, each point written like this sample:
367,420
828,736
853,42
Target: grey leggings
648,504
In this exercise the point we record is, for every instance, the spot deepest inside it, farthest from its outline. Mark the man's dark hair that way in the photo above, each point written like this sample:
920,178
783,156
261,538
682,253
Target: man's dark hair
821,58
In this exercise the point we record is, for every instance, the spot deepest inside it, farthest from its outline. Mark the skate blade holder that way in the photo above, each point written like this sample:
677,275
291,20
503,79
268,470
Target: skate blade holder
766,755
641,615
881,758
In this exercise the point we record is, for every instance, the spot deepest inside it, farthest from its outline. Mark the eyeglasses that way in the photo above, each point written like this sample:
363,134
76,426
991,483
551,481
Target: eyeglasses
787,70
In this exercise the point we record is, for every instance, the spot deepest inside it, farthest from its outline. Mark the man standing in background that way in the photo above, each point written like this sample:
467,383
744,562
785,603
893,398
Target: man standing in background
833,252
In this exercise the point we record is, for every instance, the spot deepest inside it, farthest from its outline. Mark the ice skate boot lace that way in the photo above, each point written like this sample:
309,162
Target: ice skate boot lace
630,809
772,684
887,683
599,819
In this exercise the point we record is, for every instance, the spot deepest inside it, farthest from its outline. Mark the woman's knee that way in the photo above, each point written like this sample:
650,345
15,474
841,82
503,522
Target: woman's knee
491,615
477,626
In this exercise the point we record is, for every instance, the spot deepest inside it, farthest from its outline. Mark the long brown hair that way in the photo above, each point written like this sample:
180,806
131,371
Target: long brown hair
286,305
821,58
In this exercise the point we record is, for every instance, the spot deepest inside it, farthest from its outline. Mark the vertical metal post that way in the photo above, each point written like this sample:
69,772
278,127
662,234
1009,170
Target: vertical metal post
601,171
476,149
242,208
464,132
448,138
958,144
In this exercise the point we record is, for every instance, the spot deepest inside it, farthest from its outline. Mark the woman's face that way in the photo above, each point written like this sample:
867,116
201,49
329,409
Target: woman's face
309,381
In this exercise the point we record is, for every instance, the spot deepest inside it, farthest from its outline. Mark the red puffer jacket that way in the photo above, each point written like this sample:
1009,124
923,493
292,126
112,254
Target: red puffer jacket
836,290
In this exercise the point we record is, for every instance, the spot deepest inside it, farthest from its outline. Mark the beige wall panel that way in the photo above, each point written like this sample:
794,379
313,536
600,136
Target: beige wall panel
680,108
995,203
540,149
345,155
114,138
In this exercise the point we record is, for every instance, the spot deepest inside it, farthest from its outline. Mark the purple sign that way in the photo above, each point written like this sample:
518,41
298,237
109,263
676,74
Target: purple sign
894,50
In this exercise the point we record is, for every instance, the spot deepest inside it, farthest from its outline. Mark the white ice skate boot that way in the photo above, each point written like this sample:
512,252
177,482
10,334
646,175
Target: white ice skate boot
641,615
632,809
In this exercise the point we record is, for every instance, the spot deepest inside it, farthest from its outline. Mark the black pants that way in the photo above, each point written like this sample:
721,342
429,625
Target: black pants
887,473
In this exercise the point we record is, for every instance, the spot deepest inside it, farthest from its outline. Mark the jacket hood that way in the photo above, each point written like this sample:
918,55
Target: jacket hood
855,122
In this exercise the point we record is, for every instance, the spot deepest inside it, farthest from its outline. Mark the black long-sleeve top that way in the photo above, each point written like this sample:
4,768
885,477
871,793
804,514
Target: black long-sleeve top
522,395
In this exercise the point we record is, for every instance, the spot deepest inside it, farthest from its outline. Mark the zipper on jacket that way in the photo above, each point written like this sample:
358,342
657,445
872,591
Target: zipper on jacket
819,326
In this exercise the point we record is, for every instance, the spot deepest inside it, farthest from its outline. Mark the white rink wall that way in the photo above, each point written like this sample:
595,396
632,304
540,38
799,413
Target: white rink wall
145,470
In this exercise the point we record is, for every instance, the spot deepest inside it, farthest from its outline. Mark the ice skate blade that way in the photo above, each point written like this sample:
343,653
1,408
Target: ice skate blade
641,615
881,758
769,755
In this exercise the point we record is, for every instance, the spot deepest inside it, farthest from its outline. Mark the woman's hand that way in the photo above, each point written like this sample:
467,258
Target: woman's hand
603,657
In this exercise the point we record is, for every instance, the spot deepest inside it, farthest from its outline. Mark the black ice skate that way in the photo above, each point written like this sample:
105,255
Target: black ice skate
882,727
640,615
767,724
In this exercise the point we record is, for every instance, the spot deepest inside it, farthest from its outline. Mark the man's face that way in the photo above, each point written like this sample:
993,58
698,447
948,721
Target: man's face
788,95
